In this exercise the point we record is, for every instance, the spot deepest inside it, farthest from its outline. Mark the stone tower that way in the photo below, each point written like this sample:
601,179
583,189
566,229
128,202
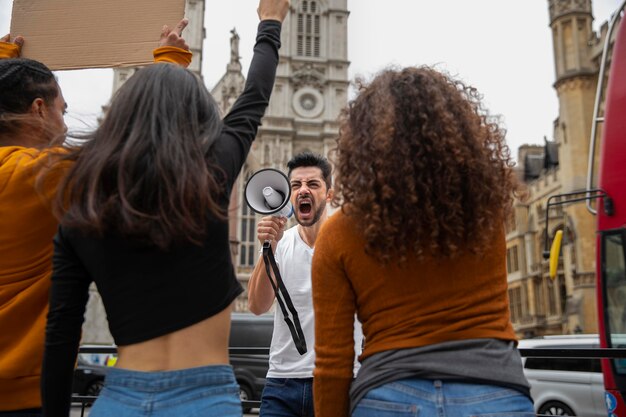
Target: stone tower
311,84
311,89
576,81
576,74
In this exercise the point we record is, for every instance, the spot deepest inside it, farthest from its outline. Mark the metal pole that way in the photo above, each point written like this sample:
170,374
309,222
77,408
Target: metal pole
596,106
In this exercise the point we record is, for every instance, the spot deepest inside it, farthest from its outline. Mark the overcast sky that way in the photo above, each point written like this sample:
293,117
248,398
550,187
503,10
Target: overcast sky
502,47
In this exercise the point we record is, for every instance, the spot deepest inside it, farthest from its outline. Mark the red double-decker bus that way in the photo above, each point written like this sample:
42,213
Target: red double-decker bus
611,236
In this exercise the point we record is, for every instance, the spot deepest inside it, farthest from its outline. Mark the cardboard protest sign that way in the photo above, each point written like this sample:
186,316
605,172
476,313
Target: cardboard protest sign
75,34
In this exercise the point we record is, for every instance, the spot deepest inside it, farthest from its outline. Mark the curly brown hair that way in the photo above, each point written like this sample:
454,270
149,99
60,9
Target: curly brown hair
422,167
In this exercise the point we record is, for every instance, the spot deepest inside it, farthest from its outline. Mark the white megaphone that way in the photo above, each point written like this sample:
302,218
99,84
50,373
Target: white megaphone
268,192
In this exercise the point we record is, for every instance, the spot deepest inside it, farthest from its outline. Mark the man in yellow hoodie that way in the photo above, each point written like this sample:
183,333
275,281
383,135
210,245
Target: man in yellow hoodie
32,130
31,117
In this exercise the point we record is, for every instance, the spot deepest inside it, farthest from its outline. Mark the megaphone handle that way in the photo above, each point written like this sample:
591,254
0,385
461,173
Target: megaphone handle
279,289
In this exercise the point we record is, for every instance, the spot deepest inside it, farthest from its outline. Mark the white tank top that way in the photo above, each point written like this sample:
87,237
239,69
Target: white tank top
293,258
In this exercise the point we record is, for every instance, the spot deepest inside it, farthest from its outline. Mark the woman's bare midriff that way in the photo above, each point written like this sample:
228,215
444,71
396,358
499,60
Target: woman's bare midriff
201,344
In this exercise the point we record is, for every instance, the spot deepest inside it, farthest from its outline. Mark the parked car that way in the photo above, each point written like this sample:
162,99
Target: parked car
565,386
250,331
88,377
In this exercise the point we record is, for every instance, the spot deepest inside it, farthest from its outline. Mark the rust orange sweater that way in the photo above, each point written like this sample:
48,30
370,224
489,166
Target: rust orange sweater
421,303
26,230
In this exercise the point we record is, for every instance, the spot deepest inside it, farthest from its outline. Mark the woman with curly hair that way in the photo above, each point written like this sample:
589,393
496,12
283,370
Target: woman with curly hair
417,251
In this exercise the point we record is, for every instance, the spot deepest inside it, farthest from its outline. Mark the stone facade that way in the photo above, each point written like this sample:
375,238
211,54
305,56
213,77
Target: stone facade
310,91
567,304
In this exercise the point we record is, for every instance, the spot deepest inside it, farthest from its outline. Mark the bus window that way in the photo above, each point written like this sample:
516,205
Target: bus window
615,290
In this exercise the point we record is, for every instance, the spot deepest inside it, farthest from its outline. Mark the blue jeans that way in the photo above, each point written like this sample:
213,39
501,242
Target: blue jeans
203,391
287,397
422,397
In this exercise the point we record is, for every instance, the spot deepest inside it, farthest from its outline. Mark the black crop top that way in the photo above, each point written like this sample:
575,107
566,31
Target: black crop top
148,292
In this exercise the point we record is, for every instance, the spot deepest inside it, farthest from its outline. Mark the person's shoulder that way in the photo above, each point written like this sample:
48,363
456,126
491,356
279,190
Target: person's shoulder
286,245
18,158
21,165
339,220
9,152
291,232
338,230
21,153
289,236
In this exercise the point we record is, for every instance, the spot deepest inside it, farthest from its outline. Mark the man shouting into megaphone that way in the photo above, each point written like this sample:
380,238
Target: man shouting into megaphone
289,384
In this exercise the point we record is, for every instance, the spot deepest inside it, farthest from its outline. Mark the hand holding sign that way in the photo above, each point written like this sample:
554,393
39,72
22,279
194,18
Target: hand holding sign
11,49
18,40
174,37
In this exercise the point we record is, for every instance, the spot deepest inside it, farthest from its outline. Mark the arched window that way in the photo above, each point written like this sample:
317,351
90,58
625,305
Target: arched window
538,290
308,30
247,231
266,155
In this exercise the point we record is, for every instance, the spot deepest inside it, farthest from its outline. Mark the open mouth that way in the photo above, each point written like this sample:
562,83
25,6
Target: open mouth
305,206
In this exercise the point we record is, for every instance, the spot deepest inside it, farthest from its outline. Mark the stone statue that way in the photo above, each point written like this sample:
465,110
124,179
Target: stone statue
234,46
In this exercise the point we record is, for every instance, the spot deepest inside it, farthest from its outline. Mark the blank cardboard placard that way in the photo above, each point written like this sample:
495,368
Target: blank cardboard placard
76,34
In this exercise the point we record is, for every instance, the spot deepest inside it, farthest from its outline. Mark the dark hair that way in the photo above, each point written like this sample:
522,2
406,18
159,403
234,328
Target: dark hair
309,159
21,82
145,172
422,167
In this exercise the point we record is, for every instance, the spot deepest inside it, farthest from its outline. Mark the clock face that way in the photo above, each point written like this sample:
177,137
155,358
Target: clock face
308,102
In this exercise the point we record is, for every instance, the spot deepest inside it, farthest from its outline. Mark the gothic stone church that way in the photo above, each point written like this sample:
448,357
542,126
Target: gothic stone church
311,89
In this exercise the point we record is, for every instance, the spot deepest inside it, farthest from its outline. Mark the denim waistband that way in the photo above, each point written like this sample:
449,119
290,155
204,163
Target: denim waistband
161,380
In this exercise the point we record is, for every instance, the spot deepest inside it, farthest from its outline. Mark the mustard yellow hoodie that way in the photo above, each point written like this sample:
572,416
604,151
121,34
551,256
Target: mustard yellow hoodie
26,230
27,227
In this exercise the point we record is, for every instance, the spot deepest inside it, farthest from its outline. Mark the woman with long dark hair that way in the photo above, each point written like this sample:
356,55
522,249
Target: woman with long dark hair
417,250
144,217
